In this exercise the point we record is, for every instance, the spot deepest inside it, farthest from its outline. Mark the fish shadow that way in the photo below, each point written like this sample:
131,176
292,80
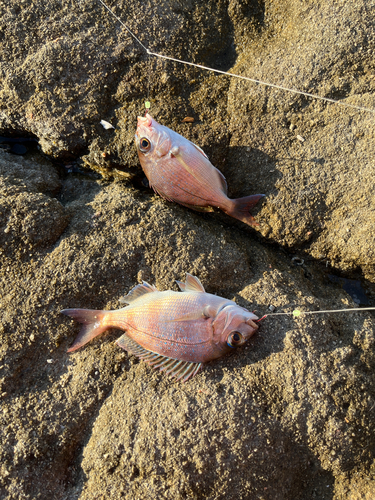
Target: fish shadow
250,170
247,170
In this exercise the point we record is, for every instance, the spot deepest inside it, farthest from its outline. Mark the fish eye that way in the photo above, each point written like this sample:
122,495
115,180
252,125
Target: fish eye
234,339
144,145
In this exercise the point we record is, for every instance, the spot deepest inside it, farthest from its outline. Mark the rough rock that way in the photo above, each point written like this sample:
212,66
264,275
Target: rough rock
290,415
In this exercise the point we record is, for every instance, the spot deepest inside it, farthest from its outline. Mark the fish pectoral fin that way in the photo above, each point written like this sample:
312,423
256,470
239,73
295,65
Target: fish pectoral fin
182,370
137,292
215,171
179,158
192,316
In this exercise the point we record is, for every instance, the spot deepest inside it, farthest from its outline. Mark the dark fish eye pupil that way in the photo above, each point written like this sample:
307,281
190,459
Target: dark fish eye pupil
145,143
236,337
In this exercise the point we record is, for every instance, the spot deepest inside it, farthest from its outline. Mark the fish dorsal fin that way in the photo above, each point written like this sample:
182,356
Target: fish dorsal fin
192,284
182,370
199,149
219,174
137,292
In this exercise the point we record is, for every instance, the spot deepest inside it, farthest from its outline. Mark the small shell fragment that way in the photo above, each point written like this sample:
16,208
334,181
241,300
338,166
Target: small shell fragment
300,138
106,125
188,119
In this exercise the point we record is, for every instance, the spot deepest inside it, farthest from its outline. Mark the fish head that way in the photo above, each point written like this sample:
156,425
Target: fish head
153,141
233,326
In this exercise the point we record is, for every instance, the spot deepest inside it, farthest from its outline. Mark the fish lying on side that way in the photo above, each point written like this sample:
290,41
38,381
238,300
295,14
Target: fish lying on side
176,332
180,171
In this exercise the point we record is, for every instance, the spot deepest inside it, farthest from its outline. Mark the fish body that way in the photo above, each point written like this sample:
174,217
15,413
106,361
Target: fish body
173,331
180,171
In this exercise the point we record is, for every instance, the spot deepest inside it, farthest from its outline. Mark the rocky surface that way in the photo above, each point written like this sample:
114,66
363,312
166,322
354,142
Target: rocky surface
291,415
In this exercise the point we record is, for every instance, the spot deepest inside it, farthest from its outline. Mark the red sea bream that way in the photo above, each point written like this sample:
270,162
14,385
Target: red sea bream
174,331
180,171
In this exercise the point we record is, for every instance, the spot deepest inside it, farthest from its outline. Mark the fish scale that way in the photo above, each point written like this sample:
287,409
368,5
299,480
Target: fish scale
175,332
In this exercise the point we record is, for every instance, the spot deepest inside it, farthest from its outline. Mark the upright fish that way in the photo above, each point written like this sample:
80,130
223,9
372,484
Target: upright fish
176,332
180,171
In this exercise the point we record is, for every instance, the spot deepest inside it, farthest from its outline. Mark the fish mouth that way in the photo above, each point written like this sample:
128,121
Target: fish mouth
144,121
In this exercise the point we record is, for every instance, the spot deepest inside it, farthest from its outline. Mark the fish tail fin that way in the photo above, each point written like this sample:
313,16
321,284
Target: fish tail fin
239,208
93,325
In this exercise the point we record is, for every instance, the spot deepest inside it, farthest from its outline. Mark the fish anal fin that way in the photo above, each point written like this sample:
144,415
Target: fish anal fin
182,370
198,208
137,292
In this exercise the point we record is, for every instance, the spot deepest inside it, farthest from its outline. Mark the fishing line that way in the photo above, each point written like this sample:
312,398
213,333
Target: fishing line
296,313
234,75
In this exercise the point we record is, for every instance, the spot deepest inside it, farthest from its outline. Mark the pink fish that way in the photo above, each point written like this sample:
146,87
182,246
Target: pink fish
176,332
180,171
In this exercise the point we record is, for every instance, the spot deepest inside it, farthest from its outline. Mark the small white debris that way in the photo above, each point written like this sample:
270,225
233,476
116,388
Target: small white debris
106,125
32,337
300,138
271,308
50,361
